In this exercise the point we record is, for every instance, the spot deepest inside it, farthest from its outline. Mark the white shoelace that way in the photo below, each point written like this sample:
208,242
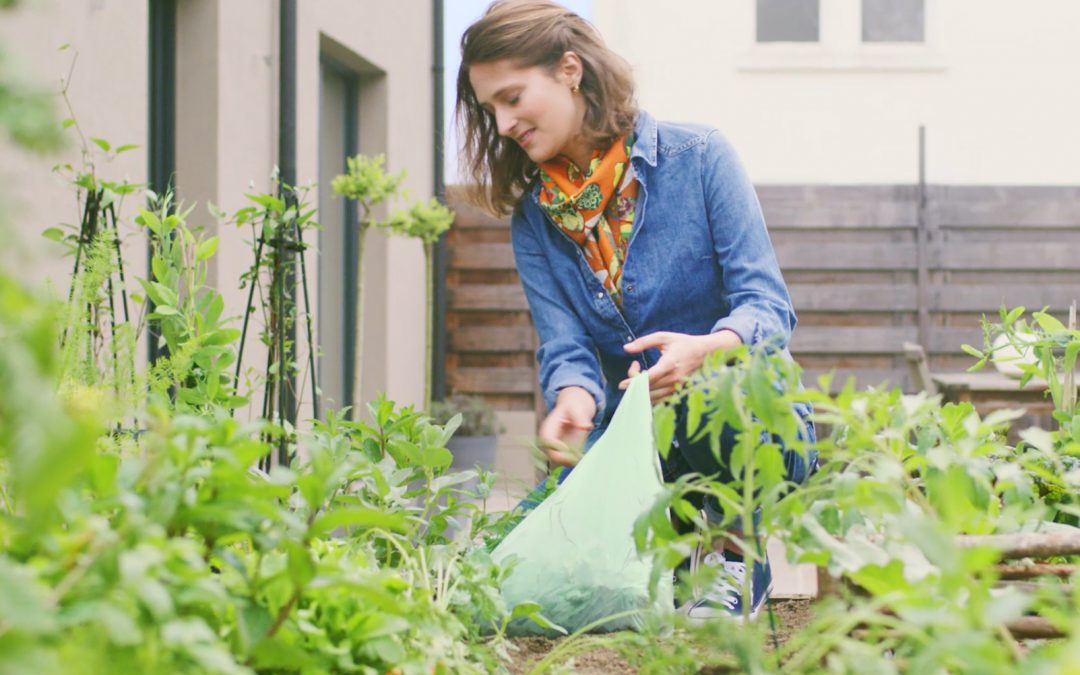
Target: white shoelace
729,579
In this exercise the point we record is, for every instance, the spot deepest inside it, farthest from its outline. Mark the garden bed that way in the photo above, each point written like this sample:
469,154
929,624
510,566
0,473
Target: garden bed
791,616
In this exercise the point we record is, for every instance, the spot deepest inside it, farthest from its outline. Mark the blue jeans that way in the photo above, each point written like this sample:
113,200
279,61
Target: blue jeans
688,456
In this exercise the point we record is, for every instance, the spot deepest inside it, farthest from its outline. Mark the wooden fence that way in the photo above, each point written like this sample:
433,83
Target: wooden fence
868,267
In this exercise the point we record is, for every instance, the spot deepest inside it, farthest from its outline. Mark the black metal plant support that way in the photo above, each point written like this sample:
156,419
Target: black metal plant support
99,221
278,244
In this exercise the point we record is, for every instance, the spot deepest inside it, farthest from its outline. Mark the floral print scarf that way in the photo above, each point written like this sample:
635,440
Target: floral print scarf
595,209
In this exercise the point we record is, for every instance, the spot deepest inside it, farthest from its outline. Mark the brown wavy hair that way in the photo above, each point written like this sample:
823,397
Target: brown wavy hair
535,33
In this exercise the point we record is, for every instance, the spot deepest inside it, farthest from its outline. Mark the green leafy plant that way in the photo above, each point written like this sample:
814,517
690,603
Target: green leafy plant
189,314
368,184
426,222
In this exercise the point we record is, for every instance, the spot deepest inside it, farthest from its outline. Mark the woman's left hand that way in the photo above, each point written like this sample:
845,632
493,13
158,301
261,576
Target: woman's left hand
680,355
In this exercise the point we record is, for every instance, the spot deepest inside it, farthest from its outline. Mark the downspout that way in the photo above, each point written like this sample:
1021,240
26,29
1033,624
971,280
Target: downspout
438,318
287,176
161,145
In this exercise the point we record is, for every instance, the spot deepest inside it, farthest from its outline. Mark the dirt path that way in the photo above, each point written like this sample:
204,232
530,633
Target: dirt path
791,615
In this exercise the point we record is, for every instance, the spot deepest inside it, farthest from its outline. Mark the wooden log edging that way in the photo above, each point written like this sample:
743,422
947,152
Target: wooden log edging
1033,586
1026,544
1008,572
1034,628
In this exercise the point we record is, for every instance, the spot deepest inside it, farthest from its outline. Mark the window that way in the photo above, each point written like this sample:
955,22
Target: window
788,21
893,21
338,139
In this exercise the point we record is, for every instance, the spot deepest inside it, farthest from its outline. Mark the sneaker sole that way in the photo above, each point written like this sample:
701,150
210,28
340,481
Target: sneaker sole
708,614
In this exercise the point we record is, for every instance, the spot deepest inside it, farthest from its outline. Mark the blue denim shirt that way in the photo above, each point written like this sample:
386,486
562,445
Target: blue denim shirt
699,260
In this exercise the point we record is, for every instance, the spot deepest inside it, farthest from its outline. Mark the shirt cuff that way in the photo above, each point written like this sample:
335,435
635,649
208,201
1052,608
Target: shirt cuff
552,392
748,329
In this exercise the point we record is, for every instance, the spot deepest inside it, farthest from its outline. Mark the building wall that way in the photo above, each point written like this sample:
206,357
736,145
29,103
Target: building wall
107,65
996,85
227,137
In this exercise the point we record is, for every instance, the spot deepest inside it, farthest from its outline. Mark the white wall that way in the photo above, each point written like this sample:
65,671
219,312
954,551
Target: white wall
997,85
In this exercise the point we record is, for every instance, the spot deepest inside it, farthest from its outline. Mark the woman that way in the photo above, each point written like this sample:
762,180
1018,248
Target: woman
640,244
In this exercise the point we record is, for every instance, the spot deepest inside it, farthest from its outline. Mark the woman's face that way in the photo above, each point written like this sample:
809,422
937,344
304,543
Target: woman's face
533,106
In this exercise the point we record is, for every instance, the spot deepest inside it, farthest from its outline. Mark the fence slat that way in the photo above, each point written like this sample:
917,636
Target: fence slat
476,297
492,380
864,377
1010,256
990,297
845,256
492,339
1012,206
482,257
851,339
851,297
468,216
821,206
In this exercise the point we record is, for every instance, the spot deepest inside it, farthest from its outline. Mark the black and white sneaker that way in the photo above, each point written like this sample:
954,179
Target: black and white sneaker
725,596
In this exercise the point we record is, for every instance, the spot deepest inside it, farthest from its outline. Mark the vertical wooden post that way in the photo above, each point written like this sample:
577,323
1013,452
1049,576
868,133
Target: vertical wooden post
1068,393
923,250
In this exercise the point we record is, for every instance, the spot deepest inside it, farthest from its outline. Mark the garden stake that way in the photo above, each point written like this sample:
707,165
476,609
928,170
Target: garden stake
100,222
280,399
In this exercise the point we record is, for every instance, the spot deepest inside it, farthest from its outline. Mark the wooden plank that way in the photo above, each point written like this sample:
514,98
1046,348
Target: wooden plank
1015,206
990,297
864,377
852,297
844,340
947,339
482,257
1041,256
845,256
852,339
468,216
492,380
1015,546
825,206
492,339
488,298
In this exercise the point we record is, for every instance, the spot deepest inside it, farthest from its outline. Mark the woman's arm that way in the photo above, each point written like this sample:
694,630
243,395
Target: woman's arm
760,307
759,301
570,376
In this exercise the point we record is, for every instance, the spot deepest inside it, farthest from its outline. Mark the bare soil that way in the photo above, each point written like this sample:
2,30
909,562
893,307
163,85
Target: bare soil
791,616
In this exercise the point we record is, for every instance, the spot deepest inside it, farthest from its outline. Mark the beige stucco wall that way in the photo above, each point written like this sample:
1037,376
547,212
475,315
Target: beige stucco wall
396,118
227,141
227,136
108,91
996,85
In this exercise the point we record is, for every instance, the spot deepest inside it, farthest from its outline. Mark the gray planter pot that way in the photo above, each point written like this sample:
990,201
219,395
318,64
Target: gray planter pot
471,451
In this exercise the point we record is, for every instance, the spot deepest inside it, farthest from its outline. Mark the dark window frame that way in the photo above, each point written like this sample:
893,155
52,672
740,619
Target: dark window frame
351,228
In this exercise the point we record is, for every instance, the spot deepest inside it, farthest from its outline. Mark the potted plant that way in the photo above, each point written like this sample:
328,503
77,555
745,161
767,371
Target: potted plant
476,438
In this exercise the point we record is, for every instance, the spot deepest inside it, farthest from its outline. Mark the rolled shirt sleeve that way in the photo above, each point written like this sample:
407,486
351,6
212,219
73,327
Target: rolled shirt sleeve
567,355
760,306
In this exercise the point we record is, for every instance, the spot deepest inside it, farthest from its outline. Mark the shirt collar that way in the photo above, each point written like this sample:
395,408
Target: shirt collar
645,138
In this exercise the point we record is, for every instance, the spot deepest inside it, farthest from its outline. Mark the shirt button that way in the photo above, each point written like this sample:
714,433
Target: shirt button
600,295
629,338
629,288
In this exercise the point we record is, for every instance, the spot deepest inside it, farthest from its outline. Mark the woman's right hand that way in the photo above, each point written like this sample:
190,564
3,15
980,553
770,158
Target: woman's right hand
567,426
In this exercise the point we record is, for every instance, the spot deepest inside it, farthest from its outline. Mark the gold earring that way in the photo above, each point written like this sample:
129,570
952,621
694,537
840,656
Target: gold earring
575,89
